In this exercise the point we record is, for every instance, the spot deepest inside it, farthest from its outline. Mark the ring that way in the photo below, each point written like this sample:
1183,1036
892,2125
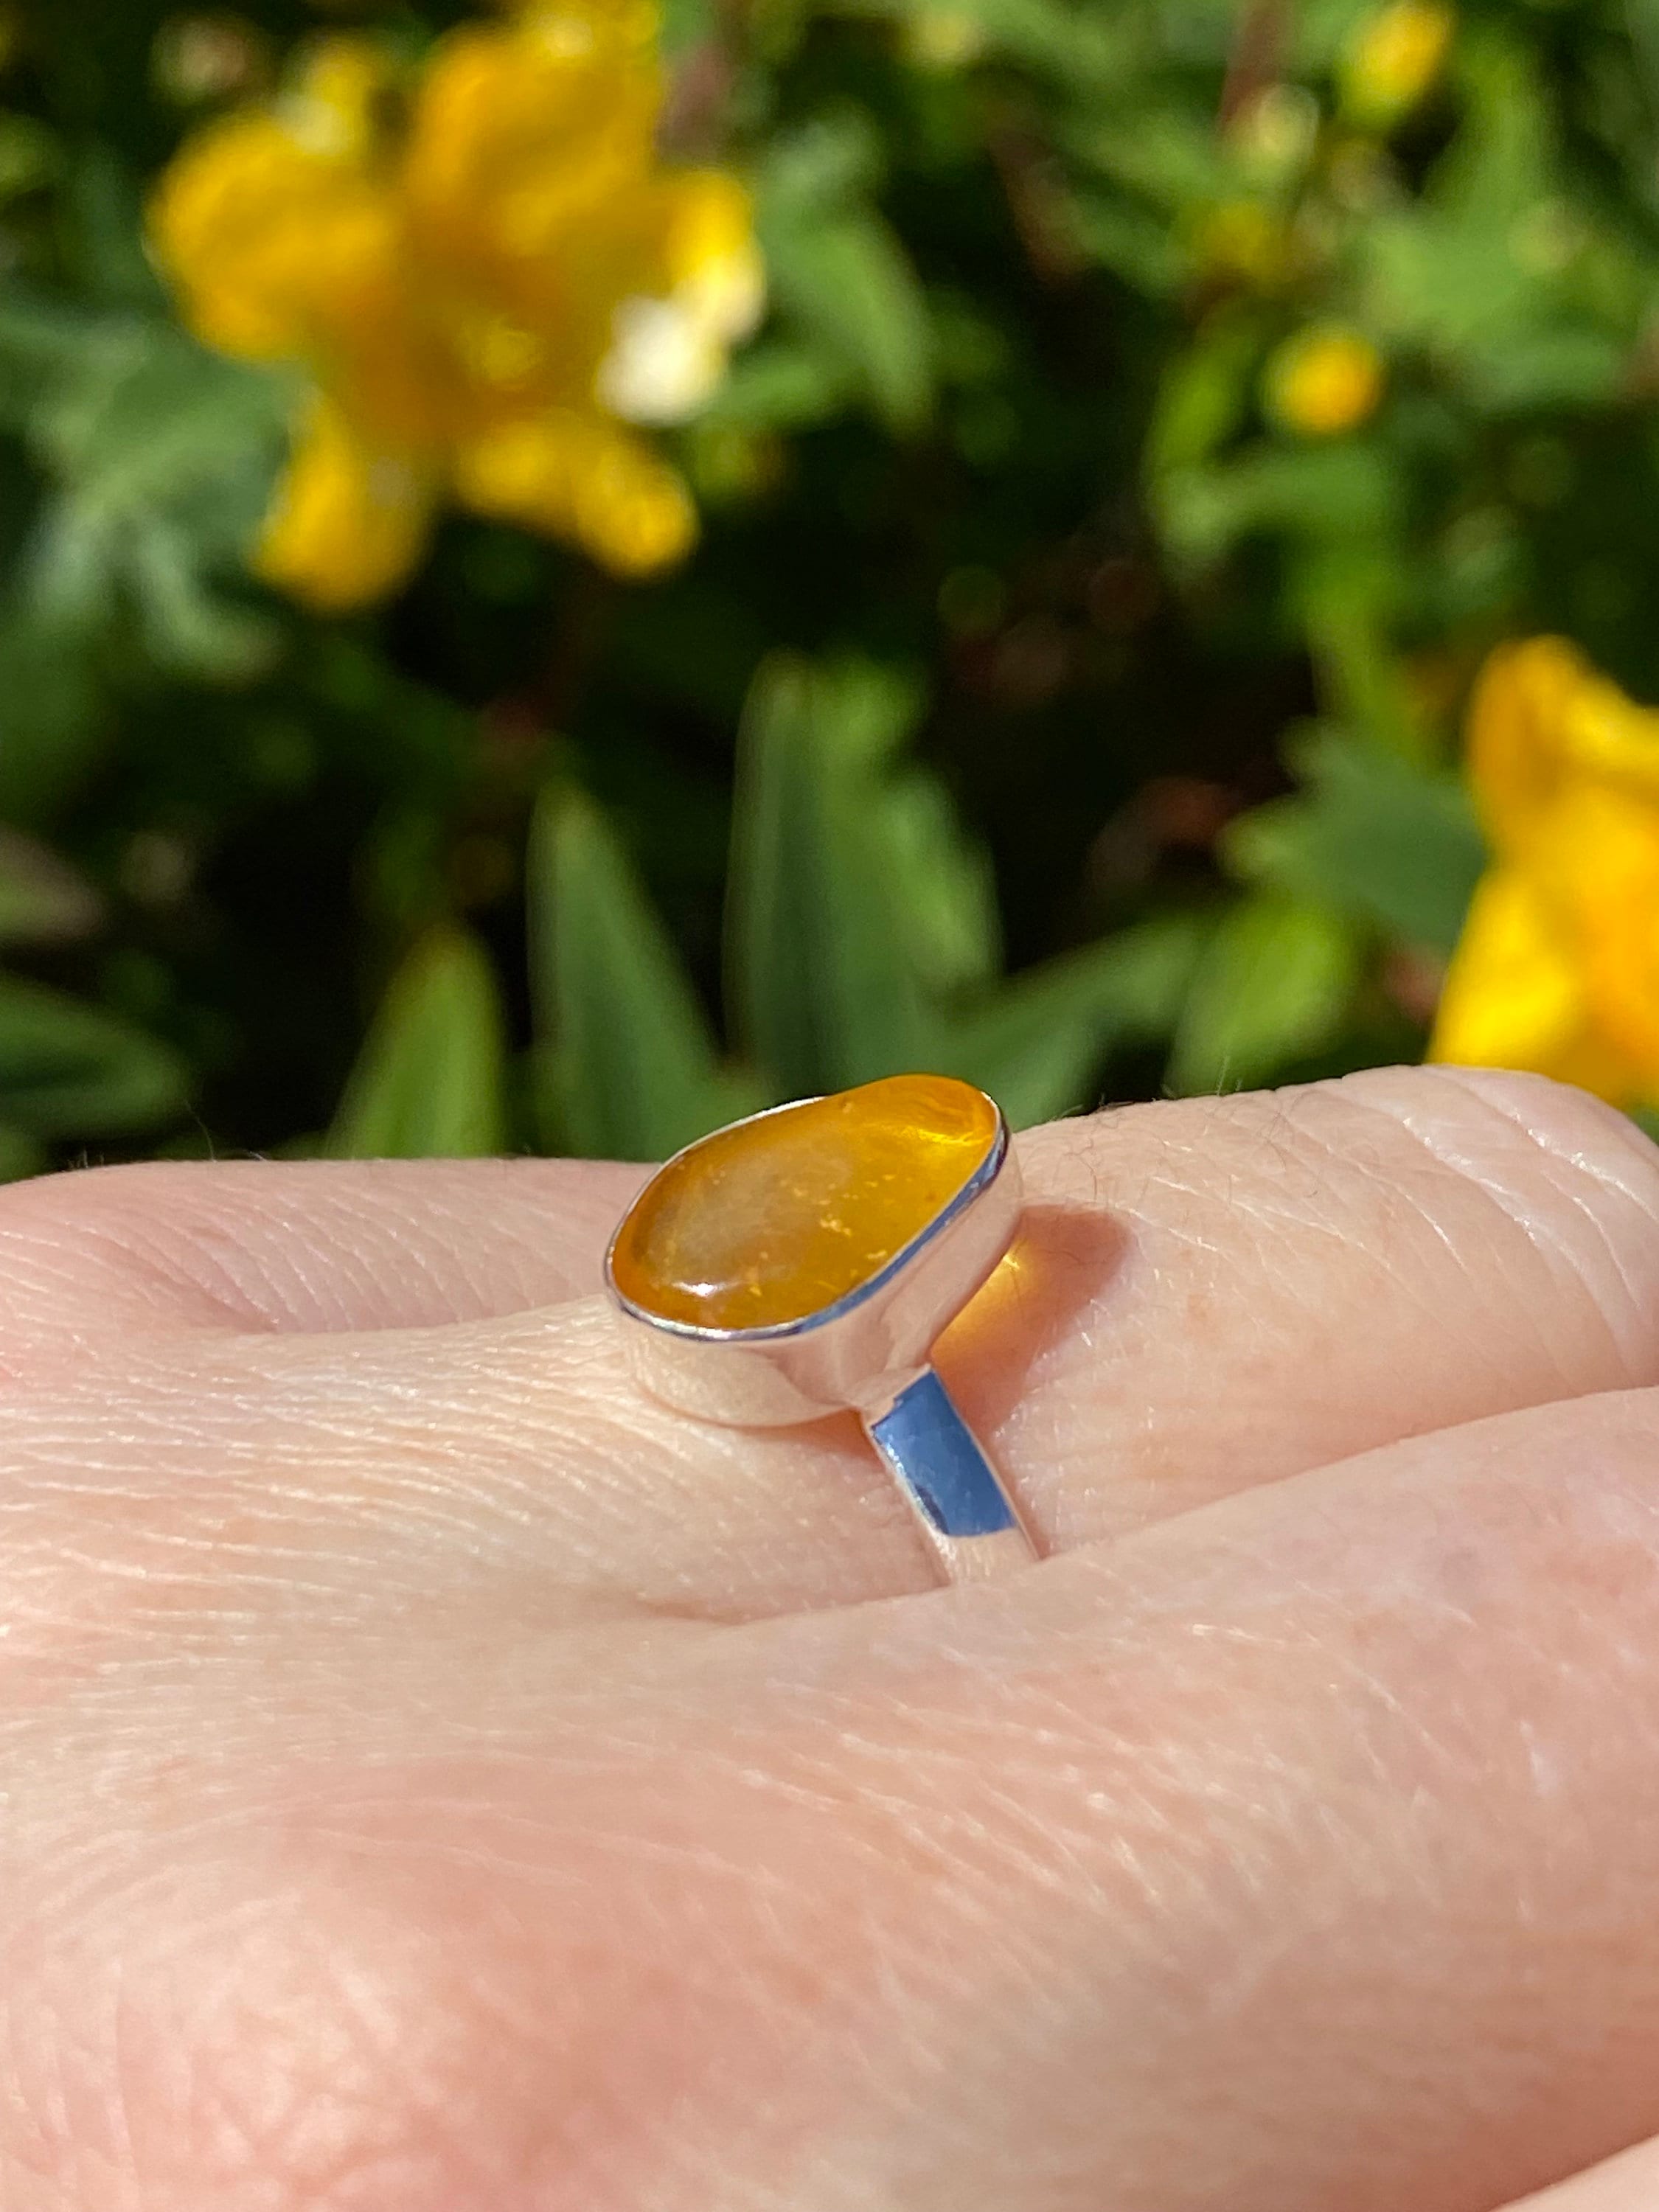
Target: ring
801,1262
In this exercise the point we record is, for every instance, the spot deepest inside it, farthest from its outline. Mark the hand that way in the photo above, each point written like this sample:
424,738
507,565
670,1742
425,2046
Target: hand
434,1778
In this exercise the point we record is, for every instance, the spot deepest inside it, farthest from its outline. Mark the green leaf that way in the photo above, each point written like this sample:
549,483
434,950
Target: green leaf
1172,154
1272,986
54,722
1551,365
1036,1044
1203,395
1347,600
1069,43
1393,845
778,387
21,1154
430,1082
162,457
828,161
106,230
627,1066
822,944
841,274
30,155
1135,242
68,1069
946,885
690,28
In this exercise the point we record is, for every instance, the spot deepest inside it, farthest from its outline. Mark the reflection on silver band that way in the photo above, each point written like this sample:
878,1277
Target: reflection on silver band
944,1471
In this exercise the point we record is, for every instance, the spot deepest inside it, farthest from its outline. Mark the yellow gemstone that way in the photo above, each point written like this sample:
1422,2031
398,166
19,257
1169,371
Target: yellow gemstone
776,1218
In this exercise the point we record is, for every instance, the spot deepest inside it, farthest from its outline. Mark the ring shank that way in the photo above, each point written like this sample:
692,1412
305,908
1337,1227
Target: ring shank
962,1503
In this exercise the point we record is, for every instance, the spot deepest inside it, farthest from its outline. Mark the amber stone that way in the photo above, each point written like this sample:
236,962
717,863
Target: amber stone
776,1218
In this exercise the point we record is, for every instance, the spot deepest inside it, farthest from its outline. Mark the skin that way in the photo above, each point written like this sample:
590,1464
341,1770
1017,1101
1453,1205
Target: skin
433,1777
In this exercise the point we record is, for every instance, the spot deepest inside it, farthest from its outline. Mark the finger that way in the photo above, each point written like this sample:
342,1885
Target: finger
1225,1291
1322,1826
273,1245
1626,2183
1298,1853
1210,1296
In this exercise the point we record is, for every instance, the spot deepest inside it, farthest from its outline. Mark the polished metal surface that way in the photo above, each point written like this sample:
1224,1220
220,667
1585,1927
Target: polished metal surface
942,1466
868,1353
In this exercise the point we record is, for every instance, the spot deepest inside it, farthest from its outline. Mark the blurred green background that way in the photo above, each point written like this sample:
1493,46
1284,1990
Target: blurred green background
1163,405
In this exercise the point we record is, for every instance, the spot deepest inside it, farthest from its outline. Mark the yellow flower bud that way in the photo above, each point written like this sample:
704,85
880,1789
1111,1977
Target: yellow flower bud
1323,381
1394,58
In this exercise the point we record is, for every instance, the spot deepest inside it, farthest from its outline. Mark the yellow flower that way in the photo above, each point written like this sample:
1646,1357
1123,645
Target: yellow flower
488,274
575,476
1558,970
347,523
1245,241
1323,381
1394,58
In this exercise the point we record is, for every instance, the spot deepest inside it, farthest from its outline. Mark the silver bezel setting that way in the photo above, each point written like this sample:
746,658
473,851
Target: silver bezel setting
856,1354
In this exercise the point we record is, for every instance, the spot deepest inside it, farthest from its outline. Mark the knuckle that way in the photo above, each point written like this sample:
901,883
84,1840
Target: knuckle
69,1200
1574,1177
98,1246
1526,1136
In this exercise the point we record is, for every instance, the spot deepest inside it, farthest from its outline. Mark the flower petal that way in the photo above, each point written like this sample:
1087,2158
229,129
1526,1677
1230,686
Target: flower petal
1516,724
520,132
712,264
580,477
348,522
663,363
1604,855
1543,722
268,242
1515,997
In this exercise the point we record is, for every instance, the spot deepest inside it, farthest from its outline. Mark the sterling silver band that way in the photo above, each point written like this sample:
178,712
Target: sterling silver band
961,1501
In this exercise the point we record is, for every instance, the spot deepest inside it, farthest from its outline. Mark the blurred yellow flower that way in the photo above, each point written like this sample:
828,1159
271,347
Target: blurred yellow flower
1558,968
1323,381
489,276
1246,242
943,38
1394,58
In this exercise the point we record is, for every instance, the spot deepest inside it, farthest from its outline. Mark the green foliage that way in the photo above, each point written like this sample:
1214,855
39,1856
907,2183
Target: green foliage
628,1066
1046,702
430,1082
840,273
1370,835
1272,987
824,969
69,1070
861,941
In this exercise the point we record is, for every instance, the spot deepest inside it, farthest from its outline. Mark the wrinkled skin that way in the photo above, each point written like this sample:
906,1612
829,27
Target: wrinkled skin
433,1777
